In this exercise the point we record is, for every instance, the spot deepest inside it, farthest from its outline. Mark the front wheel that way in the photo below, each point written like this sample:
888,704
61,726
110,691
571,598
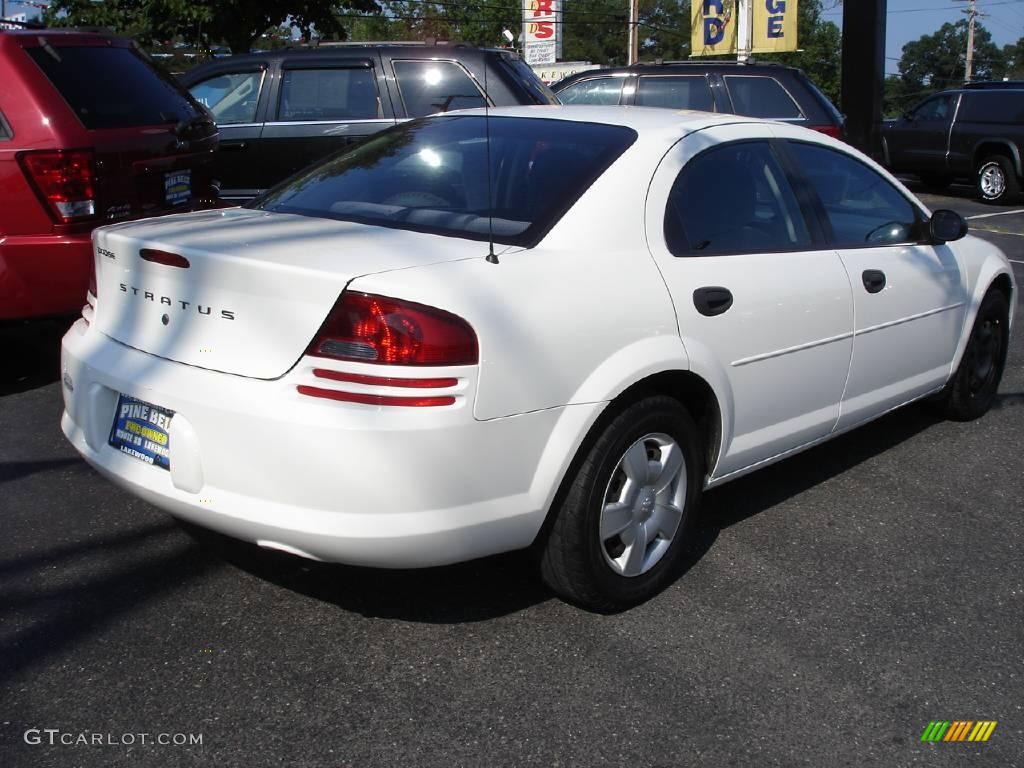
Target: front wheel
996,180
621,527
972,390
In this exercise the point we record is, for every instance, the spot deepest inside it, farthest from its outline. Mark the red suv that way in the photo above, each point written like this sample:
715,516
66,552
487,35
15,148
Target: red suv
90,133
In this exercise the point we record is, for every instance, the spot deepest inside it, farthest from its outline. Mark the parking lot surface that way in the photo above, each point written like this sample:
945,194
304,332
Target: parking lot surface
833,606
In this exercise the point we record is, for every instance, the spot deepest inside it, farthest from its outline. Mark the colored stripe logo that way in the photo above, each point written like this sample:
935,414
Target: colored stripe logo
958,730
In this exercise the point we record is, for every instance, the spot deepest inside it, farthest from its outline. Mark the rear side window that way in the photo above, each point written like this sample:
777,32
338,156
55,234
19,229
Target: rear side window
435,86
595,90
113,87
756,96
232,98
329,94
688,92
734,199
432,176
863,208
5,130
992,107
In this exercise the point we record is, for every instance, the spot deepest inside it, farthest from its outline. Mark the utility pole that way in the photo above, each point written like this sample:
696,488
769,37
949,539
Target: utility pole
972,16
744,30
634,32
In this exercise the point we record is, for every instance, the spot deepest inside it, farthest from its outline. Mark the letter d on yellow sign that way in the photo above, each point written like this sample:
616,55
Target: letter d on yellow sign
775,26
714,27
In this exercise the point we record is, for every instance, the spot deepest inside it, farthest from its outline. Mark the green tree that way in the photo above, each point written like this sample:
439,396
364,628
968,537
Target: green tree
238,23
936,62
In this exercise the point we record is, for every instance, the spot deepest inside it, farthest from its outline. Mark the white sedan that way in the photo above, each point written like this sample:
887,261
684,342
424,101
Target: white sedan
543,326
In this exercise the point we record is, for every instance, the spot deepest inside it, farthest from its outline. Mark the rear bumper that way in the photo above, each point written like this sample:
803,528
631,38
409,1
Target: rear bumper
43,274
386,487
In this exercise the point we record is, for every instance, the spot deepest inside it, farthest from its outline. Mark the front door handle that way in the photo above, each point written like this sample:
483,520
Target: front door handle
712,300
233,146
874,280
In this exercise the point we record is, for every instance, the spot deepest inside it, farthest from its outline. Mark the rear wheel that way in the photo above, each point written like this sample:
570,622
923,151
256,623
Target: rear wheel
972,390
996,180
618,533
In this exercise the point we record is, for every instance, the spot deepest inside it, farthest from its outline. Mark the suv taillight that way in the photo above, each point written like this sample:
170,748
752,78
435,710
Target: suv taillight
65,181
366,328
829,130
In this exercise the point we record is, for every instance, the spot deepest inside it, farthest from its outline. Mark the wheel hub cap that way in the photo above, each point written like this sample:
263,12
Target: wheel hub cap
643,505
992,181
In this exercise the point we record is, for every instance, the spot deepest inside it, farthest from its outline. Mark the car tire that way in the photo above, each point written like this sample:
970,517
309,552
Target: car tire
616,494
972,390
936,182
996,180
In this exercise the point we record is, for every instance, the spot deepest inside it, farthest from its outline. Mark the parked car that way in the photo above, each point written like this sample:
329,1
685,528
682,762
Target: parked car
90,133
278,112
975,134
402,359
770,91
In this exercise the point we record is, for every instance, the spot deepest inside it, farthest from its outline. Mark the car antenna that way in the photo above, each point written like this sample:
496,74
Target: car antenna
492,257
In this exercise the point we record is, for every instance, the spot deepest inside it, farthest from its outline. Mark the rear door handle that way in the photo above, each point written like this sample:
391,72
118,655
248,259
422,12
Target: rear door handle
874,280
233,146
712,300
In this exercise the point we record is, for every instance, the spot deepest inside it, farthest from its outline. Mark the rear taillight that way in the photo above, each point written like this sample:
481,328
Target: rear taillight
376,329
835,131
66,181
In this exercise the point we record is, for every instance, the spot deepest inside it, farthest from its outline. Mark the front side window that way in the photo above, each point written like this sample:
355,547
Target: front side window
675,92
232,98
5,131
760,96
596,90
734,199
863,208
329,94
938,109
432,176
428,87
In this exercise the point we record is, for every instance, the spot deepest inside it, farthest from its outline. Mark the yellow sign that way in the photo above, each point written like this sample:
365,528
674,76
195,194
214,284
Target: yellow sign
774,23
714,27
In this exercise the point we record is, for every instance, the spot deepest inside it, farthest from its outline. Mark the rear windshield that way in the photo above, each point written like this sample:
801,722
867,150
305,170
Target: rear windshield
431,176
528,79
112,87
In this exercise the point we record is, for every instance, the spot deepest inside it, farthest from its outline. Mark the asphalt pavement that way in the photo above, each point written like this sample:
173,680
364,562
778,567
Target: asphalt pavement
833,606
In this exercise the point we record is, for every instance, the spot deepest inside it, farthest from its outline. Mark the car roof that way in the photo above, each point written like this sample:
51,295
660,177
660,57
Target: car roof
651,123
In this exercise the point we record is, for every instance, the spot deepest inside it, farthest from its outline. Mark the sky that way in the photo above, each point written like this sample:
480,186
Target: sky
909,19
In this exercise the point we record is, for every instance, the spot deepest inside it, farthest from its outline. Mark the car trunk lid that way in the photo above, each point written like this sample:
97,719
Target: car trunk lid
242,291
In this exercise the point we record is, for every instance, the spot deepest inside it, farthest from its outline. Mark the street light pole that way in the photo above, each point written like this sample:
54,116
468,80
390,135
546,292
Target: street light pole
634,35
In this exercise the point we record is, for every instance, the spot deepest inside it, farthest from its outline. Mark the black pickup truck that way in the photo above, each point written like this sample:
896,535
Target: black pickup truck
974,133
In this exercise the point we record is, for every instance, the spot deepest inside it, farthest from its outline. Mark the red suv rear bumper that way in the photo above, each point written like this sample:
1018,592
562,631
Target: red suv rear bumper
43,274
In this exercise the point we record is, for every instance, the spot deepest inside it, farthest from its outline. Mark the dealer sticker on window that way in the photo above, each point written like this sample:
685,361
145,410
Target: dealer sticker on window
141,431
178,187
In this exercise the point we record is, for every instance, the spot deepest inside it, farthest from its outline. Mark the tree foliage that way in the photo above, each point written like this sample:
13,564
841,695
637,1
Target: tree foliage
935,62
239,23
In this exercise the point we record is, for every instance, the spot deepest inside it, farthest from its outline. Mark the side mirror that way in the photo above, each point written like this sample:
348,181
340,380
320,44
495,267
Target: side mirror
946,226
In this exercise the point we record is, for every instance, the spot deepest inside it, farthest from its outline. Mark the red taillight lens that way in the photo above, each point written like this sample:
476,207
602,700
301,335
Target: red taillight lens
65,180
829,130
377,329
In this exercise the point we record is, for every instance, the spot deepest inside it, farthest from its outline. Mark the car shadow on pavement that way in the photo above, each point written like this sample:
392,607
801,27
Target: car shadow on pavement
504,584
31,353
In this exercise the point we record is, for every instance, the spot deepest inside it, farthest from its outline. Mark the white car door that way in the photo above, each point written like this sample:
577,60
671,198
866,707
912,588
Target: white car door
909,297
765,309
